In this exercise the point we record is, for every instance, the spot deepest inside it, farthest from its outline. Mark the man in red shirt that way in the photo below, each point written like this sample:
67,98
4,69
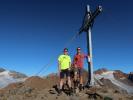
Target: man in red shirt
78,63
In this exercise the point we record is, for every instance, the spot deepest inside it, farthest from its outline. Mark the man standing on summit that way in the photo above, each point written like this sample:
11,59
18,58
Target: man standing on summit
64,64
78,63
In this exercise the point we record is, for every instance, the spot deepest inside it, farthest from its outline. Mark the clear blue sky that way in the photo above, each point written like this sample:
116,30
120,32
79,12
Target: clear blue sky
32,32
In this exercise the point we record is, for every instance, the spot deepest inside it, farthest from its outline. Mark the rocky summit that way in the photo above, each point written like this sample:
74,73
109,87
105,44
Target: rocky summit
109,85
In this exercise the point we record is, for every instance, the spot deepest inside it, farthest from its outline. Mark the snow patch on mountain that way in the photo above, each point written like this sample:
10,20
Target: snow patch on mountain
109,75
6,79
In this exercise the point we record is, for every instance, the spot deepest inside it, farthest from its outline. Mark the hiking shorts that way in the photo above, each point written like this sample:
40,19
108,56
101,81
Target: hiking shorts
79,71
64,73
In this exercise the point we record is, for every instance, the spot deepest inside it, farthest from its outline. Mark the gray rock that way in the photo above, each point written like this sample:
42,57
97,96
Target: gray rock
18,74
2,70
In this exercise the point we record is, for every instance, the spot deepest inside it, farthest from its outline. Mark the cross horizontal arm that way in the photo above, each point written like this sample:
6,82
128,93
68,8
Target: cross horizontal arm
90,20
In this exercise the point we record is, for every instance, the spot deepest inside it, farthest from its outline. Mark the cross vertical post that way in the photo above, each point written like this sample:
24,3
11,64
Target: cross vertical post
89,49
87,24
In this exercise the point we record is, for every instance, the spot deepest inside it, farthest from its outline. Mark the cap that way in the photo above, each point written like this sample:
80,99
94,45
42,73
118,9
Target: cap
78,48
65,50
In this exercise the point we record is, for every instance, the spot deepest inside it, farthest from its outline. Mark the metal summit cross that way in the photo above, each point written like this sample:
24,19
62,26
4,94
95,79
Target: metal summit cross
87,24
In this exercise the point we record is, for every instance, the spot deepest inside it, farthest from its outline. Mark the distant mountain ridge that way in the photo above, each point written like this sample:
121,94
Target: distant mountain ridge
114,84
7,77
2,69
117,77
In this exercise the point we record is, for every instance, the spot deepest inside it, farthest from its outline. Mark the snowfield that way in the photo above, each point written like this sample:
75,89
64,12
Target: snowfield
6,79
109,75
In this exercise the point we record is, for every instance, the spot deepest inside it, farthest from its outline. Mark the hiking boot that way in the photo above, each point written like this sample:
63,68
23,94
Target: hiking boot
80,87
70,91
60,92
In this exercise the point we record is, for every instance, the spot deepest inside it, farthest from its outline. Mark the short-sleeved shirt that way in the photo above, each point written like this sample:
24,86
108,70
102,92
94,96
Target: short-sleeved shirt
79,60
64,61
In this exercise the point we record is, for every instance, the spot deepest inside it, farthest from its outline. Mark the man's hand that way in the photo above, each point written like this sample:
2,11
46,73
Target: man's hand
69,68
89,58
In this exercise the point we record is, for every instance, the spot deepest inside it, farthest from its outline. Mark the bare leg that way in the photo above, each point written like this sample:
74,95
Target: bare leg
69,81
75,76
61,83
81,80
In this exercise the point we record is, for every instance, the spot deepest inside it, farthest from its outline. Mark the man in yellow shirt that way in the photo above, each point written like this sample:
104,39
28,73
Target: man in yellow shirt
64,63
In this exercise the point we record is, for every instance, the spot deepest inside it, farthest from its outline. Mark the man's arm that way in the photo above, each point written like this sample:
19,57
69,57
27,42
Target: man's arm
69,65
74,62
87,57
69,62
